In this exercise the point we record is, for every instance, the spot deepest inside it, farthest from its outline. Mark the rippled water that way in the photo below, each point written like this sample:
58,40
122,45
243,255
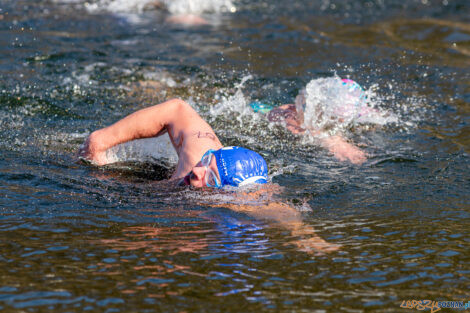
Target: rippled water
76,238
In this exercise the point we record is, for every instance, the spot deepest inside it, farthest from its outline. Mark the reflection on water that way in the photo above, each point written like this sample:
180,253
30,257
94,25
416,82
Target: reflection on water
135,265
439,40
334,238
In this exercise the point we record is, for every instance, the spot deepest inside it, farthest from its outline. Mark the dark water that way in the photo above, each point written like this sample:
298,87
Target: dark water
77,238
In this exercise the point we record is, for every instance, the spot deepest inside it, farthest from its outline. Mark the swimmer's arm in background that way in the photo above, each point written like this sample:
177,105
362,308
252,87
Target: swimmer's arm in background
336,145
175,116
343,150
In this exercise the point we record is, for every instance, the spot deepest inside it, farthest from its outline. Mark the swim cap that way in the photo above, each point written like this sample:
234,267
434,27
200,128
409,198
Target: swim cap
239,166
354,88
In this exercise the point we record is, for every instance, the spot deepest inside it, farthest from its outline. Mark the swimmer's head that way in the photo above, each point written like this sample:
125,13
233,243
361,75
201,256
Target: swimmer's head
234,166
238,166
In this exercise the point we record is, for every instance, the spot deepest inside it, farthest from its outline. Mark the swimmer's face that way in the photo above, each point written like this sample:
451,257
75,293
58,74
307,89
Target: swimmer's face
203,174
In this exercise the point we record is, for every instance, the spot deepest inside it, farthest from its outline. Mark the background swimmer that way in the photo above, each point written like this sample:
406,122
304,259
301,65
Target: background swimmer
323,109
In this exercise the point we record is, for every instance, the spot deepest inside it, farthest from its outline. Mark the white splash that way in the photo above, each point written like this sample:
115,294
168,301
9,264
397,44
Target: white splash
173,6
158,149
329,104
199,6
120,6
235,104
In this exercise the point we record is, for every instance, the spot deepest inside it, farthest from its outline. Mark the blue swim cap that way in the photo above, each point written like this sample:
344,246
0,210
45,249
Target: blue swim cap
239,166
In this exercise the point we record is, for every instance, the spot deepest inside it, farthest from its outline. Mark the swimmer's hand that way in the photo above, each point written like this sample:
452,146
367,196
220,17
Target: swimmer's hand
91,152
343,150
315,245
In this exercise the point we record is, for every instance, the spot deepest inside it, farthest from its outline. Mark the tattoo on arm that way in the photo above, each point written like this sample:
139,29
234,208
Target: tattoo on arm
209,135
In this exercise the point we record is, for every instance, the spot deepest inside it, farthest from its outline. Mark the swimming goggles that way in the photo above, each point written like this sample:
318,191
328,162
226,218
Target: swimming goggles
211,177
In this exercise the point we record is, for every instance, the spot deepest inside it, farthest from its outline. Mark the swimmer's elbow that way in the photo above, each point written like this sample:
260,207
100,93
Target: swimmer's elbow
163,115
178,105
180,110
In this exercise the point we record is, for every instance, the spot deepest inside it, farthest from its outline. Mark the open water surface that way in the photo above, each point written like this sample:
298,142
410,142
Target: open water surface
75,238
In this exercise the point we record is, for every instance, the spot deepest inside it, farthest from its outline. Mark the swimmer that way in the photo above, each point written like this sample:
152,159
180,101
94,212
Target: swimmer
293,117
202,160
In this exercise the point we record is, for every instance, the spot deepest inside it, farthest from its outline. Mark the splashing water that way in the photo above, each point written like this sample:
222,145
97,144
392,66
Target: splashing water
333,104
156,150
199,6
120,6
235,104
330,104
173,6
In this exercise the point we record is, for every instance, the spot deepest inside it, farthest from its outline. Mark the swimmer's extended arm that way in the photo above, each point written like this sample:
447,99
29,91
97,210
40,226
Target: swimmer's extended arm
336,145
174,116
344,150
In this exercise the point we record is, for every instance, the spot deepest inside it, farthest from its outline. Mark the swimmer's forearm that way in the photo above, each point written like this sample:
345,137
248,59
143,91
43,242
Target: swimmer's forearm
330,142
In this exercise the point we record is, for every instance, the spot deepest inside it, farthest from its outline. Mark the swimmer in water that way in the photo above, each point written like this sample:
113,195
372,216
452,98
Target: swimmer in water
202,160
293,117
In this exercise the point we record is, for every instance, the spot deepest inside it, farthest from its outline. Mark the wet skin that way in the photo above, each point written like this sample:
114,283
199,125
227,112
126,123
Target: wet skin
196,177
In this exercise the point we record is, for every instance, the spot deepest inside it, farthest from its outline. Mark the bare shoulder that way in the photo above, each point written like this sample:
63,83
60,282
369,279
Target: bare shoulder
192,125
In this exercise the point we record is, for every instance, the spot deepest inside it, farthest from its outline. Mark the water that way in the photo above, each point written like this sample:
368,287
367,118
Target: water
79,238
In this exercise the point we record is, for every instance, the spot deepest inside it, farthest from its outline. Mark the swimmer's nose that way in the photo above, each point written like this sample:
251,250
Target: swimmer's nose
198,173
